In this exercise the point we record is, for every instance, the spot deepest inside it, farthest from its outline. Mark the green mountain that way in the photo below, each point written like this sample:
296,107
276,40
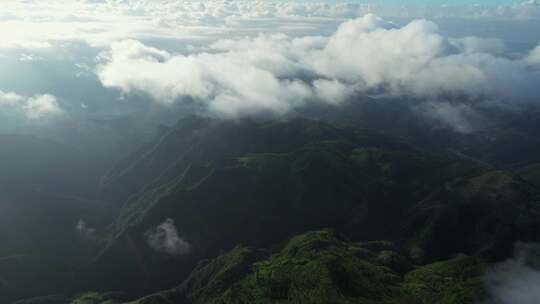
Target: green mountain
389,222
317,176
321,267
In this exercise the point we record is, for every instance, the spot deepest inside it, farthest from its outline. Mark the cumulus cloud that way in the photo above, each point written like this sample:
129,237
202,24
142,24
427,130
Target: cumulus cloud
34,107
226,81
517,280
278,73
40,106
164,238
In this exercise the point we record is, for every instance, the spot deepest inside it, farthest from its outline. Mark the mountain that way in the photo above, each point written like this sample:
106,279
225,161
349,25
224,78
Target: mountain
483,214
200,140
258,183
291,211
35,163
322,267
42,188
314,267
497,137
269,181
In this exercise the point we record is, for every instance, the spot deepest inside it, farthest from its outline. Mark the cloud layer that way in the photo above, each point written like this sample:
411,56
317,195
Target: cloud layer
237,58
278,73
45,24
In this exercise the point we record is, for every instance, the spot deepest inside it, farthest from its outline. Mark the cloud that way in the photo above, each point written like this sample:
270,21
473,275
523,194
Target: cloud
471,45
84,230
40,106
517,280
238,58
369,51
164,238
533,58
458,117
331,91
417,60
223,81
46,24
33,108
278,73
10,98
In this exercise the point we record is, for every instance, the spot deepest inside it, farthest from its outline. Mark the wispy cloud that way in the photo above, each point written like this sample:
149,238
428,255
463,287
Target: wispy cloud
517,280
164,238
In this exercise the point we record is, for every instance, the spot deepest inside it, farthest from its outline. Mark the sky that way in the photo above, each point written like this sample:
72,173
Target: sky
434,2
72,62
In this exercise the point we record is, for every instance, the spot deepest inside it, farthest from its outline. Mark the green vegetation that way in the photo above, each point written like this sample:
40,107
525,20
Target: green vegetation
321,267
449,282
283,178
484,214
86,298
389,224
94,298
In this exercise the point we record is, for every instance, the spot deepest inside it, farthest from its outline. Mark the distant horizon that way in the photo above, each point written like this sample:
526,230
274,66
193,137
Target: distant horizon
424,2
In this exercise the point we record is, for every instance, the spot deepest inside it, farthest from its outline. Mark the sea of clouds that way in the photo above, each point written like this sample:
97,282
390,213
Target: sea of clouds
62,60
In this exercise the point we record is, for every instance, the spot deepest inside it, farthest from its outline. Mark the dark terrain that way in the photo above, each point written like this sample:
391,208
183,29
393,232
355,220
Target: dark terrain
314,209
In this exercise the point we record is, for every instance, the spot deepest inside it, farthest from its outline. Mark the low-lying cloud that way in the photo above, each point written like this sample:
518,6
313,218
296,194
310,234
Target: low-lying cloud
278,73
165,239
237,58
34,107
85,231
517,280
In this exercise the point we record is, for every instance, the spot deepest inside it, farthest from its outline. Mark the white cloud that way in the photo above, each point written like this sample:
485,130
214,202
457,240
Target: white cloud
164,238
331,91
225,80
35,107
85,231
10,98
278,73
517,280
40,106
370,51
534,57
458,117
46,24
244,57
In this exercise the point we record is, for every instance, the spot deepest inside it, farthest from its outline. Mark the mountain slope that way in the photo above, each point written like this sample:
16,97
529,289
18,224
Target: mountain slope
207,187
42,188
320,267
321,176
